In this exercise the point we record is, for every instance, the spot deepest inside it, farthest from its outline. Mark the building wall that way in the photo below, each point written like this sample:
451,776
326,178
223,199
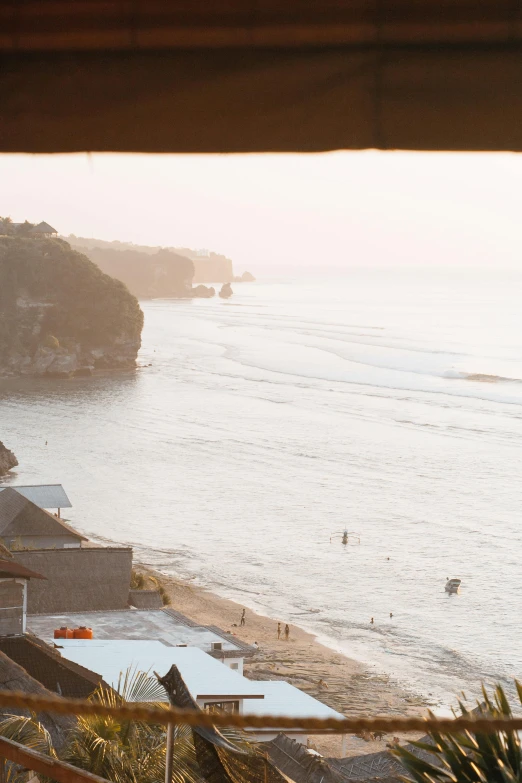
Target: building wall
145,599
236,664
41,542
202,703
11,600
84,579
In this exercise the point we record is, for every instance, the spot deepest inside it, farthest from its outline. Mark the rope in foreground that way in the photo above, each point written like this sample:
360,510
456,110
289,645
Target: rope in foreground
196,718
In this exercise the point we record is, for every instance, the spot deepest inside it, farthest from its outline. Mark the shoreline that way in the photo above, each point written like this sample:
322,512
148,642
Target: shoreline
342,683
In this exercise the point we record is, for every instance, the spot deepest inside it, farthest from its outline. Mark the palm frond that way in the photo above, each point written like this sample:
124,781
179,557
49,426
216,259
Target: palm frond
470,757
29,732
135,685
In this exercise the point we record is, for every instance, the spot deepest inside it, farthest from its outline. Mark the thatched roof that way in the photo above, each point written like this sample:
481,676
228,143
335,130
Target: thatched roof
19,516
278,76
49,668
43,228
14,678
295,761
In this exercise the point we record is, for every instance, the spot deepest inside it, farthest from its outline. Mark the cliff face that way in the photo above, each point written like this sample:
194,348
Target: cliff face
163,273
212,268
59,314
8,460
123,259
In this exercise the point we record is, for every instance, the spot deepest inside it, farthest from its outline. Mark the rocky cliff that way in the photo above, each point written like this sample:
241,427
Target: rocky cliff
59,314
133,263
163,273
8,460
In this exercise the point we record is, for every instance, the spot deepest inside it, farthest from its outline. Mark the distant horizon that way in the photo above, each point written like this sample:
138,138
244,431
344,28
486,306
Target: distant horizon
339,210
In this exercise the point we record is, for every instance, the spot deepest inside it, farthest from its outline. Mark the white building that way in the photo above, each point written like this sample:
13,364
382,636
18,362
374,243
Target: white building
210,684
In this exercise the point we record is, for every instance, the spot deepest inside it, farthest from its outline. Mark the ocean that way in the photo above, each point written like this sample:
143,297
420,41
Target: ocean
387,403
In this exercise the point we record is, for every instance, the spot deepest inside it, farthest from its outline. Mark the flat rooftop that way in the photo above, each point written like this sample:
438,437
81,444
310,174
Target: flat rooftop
203,675
164,625
282,698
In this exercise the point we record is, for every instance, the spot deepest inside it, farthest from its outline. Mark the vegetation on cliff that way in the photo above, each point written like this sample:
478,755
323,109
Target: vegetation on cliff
57,305
8,460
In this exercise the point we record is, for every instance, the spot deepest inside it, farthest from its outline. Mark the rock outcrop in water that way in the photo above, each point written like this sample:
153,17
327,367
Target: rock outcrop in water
59,314
8,460
202,292
246,277
226,291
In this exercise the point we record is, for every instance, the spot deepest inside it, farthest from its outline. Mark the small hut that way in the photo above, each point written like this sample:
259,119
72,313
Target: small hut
25,525
43,229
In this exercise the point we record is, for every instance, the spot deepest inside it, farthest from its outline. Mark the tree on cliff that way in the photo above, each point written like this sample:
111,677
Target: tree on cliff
48,290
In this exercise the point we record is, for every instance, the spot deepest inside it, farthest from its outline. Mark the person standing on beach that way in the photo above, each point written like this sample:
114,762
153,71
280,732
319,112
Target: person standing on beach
278,631
242,621
371,621
287,632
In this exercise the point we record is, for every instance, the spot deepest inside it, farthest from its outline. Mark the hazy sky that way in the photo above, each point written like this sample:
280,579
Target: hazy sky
334,209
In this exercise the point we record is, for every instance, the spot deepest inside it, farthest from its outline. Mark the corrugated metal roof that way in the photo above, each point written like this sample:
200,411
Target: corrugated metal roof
203,675
43,495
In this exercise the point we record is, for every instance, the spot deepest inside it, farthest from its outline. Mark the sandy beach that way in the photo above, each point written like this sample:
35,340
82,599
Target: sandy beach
342,683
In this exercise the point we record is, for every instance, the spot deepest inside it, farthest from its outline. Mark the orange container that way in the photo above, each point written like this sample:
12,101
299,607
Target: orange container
82,632
63,633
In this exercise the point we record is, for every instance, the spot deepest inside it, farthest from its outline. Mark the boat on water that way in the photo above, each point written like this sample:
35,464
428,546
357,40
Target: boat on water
452,585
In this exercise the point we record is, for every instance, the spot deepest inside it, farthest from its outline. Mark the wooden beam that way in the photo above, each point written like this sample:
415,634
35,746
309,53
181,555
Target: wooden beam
97,25
45,765
416,98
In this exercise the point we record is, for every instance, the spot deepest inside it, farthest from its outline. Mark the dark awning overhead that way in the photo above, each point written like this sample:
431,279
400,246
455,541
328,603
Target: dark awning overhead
10,570
232,75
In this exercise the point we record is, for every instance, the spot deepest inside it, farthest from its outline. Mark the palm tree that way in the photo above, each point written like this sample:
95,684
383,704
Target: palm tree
122,751
29,732
469,757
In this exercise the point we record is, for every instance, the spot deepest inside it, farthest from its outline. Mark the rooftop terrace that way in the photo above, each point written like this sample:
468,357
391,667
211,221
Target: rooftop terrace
164,625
